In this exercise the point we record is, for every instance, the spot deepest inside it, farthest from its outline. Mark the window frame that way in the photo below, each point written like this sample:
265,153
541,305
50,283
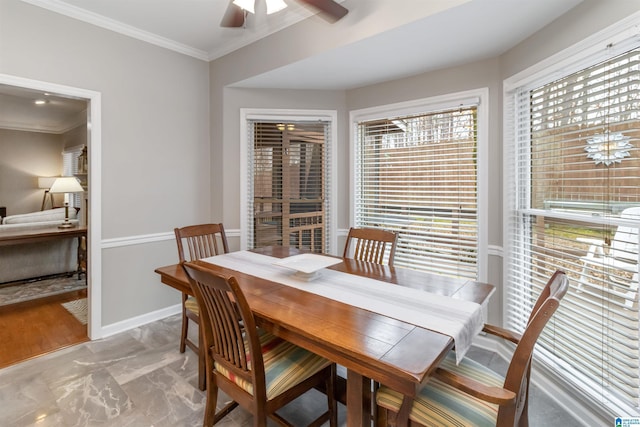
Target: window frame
246,146
479,96
608,43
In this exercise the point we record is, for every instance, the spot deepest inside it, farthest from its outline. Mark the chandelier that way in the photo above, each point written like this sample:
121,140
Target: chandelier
608,148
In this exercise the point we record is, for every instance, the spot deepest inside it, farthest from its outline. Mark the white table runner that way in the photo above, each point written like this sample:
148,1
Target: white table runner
459,319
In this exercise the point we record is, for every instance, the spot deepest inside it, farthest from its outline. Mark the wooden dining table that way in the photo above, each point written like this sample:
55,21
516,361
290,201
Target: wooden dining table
370,346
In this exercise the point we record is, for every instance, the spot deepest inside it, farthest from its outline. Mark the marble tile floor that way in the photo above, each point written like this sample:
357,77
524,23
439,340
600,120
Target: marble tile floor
138,378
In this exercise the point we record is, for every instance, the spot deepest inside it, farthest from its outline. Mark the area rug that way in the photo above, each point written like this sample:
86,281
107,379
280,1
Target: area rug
26,291
78,308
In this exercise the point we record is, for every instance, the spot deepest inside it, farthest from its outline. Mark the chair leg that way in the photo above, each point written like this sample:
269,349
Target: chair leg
185,325
210,405
202,383
381,417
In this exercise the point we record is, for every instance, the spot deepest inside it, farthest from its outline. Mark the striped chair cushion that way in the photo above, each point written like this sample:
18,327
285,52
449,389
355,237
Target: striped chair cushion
439,404
192,305
285,365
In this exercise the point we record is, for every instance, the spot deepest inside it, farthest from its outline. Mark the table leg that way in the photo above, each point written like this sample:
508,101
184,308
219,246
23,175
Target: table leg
81,256
358,410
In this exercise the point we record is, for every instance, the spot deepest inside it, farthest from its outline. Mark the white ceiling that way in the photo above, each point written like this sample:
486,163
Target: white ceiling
18,111
473,31
469,30
465,31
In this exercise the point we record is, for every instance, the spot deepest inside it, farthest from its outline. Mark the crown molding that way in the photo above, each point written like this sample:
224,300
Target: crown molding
26,127
259,30
118,27
79,119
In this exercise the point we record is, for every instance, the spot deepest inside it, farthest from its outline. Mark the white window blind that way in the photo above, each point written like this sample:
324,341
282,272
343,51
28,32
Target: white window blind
288,184
417,175
70,167
575,185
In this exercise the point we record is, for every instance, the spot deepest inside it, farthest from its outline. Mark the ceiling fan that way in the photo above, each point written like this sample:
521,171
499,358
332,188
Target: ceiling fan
237,10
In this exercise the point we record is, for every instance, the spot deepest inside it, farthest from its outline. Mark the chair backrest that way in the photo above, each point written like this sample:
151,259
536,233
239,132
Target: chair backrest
517,378
550,287
625,242
228,326
371,245
200,241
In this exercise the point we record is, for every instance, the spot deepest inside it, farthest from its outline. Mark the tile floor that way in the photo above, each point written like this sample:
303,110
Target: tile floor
138,378
11,293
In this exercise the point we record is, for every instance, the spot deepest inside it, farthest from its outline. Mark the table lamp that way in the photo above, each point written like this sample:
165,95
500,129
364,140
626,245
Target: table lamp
66,184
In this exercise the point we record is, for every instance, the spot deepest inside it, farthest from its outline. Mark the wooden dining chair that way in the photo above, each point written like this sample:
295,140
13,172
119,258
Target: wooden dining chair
371,245
471,394
259,371
197,242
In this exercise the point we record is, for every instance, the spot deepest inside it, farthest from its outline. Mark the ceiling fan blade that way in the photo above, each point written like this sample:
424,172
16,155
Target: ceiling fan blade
233,17
329,9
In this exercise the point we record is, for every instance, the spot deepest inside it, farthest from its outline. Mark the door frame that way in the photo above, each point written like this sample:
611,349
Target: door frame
94,144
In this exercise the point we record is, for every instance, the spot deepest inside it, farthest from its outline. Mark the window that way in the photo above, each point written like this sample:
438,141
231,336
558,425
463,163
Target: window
417,173
289,189
570,197
70,167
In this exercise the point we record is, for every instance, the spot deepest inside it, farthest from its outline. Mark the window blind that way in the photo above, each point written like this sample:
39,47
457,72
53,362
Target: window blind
417,175
575,186
70,167
288,183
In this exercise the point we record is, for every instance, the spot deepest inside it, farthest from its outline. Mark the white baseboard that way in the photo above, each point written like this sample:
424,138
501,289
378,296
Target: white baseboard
568,398
134,322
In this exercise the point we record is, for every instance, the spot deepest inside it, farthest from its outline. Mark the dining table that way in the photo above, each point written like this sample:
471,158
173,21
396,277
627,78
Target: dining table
372,346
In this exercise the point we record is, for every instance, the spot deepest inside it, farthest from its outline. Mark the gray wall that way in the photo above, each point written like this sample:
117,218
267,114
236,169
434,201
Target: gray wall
586,19
76,136
155,140
26,156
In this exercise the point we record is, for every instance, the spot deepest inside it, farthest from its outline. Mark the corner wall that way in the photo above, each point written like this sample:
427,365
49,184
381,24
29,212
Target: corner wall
155,142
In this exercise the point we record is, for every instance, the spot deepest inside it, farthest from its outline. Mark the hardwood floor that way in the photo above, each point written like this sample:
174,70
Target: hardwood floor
37,327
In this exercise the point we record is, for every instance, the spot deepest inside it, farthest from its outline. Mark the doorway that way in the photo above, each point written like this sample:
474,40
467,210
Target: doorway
15,85
288,182
288,185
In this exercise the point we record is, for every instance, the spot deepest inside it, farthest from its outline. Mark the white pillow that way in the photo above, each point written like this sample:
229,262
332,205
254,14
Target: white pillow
56,214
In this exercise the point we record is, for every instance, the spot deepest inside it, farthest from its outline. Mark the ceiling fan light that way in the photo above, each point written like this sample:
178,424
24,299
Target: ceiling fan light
248,5
274,6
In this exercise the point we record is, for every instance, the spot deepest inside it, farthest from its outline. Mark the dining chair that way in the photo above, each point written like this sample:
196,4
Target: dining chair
258,370
197,242
621,256
371,245
471,394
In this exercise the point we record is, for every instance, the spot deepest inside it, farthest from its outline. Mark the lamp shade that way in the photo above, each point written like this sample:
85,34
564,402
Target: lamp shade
45,182
66,184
